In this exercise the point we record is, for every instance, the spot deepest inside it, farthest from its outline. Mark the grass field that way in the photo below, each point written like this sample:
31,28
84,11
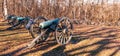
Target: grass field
87,41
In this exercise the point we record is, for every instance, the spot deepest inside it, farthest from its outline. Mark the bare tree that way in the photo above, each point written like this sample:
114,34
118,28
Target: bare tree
5,9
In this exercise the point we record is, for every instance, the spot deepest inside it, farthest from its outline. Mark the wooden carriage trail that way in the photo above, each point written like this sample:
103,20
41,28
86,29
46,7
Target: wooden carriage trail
86,41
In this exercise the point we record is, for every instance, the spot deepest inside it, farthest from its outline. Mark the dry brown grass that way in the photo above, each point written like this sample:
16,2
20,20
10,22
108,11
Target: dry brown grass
87,41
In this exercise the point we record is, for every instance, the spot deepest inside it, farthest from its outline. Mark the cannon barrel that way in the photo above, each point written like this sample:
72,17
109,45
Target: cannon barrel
23,18
20,18
48,23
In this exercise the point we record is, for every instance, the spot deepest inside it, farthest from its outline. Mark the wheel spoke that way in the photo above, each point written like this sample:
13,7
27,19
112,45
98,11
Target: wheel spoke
64,39
60,36
63,31
61,40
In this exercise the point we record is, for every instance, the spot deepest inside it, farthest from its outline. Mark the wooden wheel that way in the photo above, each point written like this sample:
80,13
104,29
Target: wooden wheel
63,31
35,30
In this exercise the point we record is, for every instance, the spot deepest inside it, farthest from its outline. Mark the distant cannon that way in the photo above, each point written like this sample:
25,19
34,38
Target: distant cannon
11,19
62,28
17,21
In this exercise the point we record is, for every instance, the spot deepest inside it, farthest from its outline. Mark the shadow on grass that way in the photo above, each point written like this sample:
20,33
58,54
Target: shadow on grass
107,39
58,51
99,33
13,34
9,41
42,46
116,51
7,29
103,43
13,52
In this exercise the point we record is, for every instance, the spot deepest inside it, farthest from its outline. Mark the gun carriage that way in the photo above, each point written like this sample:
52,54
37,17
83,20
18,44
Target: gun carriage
40,29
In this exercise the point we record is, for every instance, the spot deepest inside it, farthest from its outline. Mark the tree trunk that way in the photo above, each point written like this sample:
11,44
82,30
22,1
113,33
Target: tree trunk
5,9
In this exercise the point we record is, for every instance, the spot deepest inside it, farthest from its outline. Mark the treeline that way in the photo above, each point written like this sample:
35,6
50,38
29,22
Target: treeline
90,12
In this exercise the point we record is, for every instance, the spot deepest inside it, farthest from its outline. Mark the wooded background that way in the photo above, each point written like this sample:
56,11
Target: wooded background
90,12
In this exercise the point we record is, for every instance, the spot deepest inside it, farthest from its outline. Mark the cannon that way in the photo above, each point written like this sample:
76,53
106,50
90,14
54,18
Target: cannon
61,27
11,19
16,21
